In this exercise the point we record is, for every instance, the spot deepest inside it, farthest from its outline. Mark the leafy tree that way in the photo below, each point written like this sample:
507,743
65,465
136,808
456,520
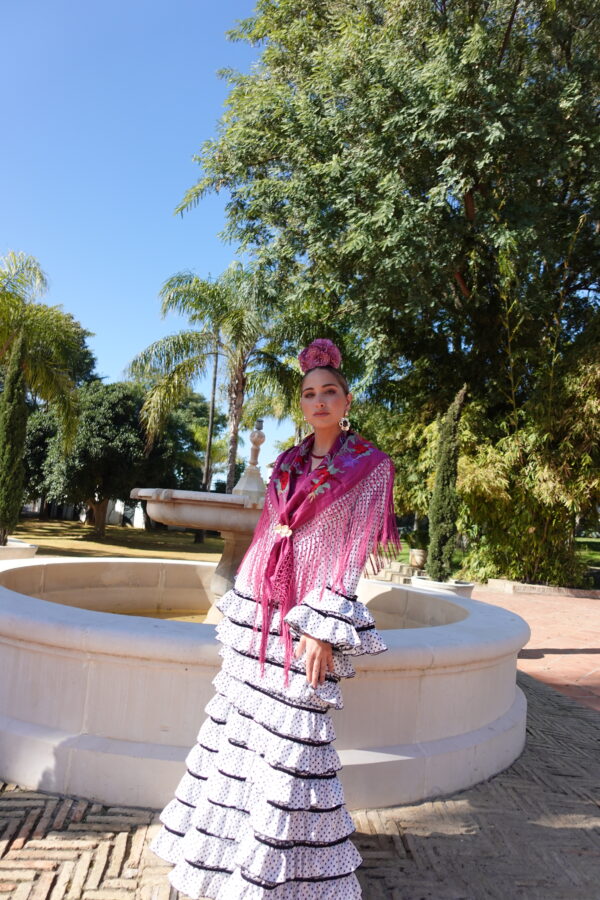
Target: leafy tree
427,176
382,158
13,422
443,510
108,456
107,452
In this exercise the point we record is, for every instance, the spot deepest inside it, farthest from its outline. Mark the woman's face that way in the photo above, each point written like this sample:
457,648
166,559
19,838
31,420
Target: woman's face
323,400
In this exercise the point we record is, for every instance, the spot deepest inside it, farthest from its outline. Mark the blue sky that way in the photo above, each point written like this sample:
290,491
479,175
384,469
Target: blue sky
104,105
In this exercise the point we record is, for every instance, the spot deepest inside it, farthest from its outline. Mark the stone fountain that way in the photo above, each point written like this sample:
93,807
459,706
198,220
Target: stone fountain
234,515
101,696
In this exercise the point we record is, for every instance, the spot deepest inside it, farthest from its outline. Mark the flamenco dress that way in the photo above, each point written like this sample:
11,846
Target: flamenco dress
259,811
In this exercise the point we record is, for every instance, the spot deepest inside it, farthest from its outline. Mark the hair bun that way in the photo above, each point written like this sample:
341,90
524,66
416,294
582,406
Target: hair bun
321,352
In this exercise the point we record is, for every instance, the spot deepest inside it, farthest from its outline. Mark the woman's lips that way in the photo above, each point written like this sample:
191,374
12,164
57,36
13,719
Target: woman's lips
322,414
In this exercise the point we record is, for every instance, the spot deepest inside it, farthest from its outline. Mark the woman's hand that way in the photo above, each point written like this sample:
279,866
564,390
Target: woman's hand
319,658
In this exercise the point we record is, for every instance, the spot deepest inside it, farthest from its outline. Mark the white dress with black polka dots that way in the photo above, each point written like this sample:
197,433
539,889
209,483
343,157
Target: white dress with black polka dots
259,811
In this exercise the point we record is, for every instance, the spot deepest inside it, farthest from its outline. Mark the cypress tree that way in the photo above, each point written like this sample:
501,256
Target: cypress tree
443,508
13,422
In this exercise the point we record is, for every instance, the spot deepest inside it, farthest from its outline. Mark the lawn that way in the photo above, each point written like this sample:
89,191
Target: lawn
58,538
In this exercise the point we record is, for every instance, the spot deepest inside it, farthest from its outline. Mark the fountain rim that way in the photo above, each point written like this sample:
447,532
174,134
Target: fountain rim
168,495
28,619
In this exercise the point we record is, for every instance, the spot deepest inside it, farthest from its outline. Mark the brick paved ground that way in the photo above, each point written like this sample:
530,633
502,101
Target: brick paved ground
531,832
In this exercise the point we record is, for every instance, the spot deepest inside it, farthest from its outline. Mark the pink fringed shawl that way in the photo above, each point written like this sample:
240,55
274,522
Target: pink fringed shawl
298,495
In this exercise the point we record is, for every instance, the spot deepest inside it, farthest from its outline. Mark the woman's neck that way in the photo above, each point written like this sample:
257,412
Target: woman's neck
324,440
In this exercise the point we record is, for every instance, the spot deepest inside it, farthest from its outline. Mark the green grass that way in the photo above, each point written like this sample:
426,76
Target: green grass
588,550
58,538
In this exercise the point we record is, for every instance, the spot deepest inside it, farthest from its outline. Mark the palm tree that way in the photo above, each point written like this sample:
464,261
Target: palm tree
50,344
52,339
230,320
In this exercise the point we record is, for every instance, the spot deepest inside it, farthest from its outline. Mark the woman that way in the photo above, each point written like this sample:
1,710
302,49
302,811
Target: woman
260,810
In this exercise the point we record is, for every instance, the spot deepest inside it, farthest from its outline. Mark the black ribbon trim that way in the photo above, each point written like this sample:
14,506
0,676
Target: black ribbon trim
199,777
172,831
218,836
289,845
311,809
243,596
352,598
269,886
280,699
303,774
272,662
209,868
327,615
235,777
286,737
226,806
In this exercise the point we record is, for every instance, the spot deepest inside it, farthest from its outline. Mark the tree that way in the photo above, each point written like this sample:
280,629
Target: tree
426,173
108,456
443,509
13,422
381,157
232,320
55,355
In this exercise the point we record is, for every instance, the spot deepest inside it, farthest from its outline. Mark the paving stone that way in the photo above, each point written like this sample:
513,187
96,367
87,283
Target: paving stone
22,892
117,855
79,875
62,881
100,860
43,886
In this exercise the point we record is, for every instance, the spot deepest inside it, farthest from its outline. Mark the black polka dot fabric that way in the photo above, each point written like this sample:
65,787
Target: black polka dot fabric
259,810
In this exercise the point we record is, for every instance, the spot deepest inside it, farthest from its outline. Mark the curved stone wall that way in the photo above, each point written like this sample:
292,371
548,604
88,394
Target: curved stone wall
106,706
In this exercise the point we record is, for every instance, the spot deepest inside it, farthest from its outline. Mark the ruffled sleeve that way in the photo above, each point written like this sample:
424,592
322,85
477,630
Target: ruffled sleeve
333,613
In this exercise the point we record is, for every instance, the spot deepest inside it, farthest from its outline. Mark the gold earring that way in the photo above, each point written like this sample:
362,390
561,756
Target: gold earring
344,423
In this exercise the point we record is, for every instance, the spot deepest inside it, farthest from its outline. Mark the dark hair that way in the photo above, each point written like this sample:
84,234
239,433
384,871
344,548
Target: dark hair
336,374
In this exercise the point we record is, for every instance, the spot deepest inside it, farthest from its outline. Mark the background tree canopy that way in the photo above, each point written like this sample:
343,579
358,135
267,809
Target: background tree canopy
423,180
107,457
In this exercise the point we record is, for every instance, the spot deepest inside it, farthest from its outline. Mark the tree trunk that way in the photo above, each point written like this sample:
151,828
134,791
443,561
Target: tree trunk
148,522
211,419
99,509
43,511
237,387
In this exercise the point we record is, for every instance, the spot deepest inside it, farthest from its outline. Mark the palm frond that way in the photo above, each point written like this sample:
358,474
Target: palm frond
22,276
167,393
166,354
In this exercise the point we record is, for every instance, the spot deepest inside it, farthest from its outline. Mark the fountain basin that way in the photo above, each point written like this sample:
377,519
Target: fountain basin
15,549
106,706
234,515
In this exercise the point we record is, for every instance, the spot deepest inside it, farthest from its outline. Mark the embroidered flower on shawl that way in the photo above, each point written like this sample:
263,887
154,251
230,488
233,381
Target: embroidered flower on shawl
360,447
322,480
282,481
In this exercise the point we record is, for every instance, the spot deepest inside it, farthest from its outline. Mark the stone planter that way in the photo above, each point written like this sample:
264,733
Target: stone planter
15,549
417,557
462,588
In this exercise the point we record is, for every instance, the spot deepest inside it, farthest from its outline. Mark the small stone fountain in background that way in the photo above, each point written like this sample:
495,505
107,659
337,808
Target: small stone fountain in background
234,515
251,486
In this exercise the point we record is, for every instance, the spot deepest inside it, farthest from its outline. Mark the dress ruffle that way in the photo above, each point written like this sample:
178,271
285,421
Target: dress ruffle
259,811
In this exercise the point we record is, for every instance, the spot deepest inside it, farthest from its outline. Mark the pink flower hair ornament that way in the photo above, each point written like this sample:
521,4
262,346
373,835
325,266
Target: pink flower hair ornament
321,352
